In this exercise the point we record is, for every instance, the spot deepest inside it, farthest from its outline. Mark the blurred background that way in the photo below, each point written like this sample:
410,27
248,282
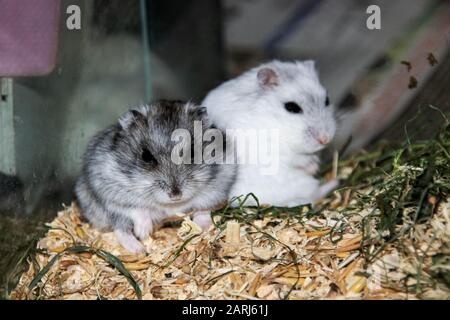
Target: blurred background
59,85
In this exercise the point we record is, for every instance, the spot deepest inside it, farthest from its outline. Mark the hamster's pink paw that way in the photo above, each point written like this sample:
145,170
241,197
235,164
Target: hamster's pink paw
326,188
203,219
129,242
143,228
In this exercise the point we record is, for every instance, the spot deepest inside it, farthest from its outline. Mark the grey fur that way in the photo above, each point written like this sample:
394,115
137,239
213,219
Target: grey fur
118,190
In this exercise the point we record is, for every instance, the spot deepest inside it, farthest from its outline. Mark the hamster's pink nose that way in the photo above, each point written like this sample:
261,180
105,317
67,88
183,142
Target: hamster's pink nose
322,139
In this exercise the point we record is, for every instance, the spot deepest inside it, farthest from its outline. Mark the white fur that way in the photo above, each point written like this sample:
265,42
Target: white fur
243,103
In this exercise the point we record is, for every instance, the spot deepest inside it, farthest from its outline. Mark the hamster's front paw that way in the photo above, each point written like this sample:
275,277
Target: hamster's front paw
326,188
143,228
129,242
329,186
203,219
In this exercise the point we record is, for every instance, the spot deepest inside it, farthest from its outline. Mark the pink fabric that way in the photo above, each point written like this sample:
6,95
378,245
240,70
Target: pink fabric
28,37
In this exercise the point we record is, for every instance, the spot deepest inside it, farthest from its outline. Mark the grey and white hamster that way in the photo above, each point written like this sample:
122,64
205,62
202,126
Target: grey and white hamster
129,182
286,98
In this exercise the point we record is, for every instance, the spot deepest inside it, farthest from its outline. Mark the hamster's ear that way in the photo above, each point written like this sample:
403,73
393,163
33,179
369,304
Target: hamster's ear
132,116
199,113
196,110
267,78
310,66
202,112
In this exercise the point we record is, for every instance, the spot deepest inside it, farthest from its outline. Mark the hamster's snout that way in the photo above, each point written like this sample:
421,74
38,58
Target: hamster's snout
175,193
321,137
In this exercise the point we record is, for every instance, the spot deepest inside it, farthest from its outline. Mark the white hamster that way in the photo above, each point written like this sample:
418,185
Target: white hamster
286,98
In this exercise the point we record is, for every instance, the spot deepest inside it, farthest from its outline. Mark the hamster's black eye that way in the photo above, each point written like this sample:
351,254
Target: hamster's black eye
293,107
147,156
327,101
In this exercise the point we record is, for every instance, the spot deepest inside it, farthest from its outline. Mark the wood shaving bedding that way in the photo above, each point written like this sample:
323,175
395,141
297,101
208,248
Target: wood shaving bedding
235,263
